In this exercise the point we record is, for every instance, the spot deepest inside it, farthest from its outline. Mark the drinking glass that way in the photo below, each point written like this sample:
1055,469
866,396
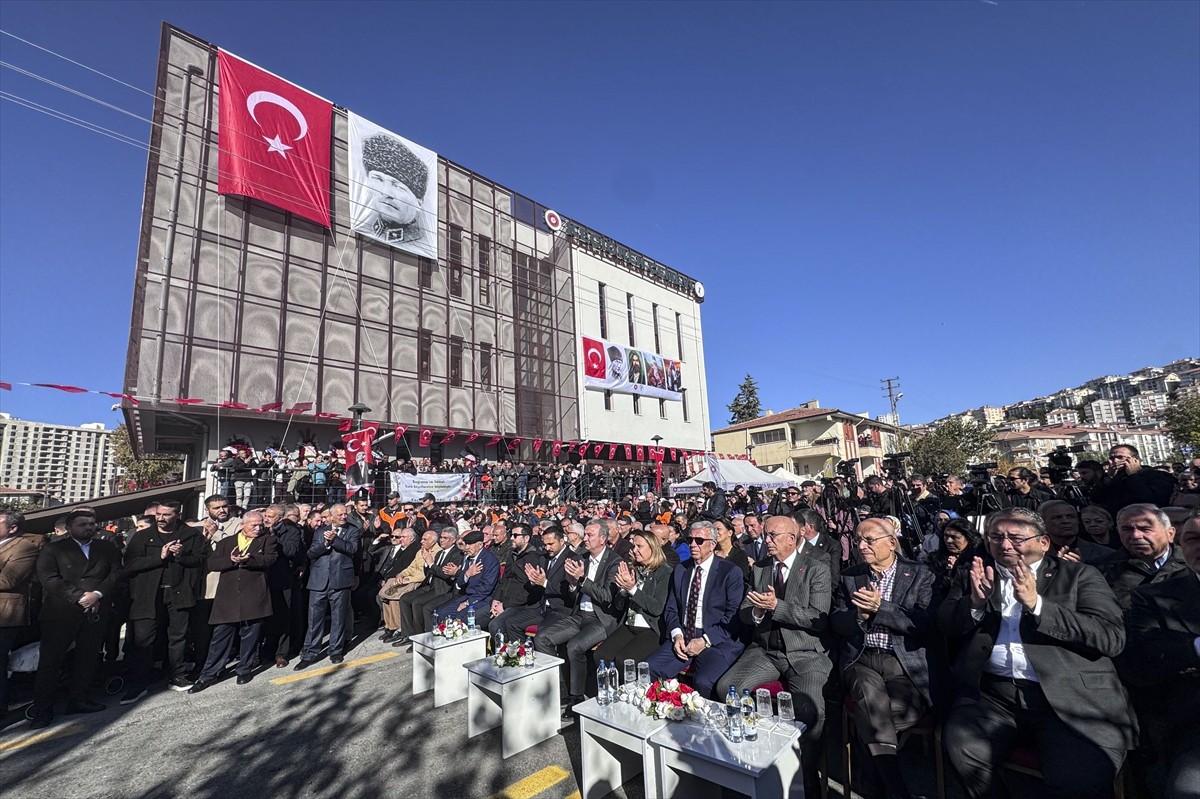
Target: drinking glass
763,699
630,671
643,674
786,712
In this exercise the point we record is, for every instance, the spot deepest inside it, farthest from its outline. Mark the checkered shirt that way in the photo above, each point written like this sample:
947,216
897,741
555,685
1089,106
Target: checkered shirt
878,636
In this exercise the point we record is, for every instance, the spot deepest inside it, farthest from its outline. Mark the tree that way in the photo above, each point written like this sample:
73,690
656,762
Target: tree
745,405
1182,420
949,447
145,472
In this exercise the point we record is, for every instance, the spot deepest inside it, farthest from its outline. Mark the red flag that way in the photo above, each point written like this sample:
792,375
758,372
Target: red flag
641,453
583,445
128,397
569,446
495,440
186,401
628,452
345,425
471,438
674,454
274,140
326,415
595,362
516,442
425,437
537,445
236,406
556,449
300,407
68,389
8,387
358,461
449,437
401,429
612,451
596,450
269,407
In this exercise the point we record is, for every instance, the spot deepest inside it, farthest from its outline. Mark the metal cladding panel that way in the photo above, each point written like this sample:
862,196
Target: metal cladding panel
460,408
404,311
433,408
264,274
256,380
260,324
374,305
303,286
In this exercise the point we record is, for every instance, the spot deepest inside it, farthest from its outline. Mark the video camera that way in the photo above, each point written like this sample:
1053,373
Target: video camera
977,473
893,465
846,468
1060,464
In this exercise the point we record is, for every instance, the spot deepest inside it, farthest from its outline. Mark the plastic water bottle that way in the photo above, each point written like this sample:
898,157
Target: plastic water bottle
749,717
529,659
613,682
436,619
471,617
733,712
603,697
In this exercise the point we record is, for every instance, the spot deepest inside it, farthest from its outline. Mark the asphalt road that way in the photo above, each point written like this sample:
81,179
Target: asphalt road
354,731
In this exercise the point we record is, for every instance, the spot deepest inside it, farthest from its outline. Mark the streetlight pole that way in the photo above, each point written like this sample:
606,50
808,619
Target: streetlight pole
658,457
750,452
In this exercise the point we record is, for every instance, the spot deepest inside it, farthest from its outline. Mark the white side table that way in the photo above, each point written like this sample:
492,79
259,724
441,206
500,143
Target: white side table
696,760
523,702
437,664
615,748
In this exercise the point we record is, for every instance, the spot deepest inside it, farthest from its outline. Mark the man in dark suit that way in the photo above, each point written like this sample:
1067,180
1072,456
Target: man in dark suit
515,589
1147,554
475,582
1039,634
556,599
597,610
715,504
753,542
285,629
882,615
1162,664
78,574
701,614
788,610
439,581
330,578
814,535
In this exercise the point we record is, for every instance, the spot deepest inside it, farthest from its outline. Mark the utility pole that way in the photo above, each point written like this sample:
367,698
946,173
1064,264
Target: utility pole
891,387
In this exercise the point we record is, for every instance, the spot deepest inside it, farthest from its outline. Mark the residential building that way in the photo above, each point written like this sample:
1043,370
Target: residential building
70,464
1104,411
988,415
1147,408
1063,416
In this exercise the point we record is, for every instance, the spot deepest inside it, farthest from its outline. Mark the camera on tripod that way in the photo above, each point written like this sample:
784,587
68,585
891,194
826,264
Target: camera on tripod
846,468
893,465
978,473
1060,464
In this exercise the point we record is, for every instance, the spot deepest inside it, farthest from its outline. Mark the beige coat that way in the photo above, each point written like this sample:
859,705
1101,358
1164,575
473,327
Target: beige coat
415,572
18,558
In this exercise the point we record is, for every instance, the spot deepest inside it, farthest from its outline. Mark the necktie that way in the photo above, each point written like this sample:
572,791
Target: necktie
693,603
774,637
780,580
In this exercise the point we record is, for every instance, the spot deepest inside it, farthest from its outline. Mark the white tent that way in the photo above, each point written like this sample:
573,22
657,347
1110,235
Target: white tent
784,473
730,474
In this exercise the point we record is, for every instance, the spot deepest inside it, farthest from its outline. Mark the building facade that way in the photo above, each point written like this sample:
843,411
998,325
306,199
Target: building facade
253,324
64,464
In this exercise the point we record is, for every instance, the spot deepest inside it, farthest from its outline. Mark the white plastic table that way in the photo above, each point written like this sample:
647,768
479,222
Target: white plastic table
437,664
522,701
615,748
694,759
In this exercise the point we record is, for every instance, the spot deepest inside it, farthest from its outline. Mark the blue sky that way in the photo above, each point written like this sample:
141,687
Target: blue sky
990,200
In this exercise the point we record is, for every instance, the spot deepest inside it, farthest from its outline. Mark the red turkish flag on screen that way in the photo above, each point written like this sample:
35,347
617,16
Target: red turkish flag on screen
595,362
274,139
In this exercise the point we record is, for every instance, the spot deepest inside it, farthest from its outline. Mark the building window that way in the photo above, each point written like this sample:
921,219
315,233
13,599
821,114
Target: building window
426,268
683,396
485,364
456,271
608,400
456,352
769,436
424,354
603,311
455,244
679,335
662,409
485,270
657,341
637,405
629,315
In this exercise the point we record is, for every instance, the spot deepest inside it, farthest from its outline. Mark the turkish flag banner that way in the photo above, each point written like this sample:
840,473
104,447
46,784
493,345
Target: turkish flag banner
358,461
674,454
516,442
471,438
425,437
537,445
401,429
570,447
628,452
275,140
612,451
597,449
641,453
449,437
583,445
595,362
557,448
345,425
495,440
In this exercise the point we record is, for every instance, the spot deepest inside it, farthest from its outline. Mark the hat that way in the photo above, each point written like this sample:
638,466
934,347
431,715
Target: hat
473,537
429,496
808,484
389,155
394,495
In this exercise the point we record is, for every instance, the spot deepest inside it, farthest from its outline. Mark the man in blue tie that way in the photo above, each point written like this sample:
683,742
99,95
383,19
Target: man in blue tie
330,578
474,582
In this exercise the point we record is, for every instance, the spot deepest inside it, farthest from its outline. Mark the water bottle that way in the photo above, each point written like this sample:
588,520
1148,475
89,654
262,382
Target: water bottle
529,660
471,617
733,713
436,619
749,717
498,646
603,697
613,681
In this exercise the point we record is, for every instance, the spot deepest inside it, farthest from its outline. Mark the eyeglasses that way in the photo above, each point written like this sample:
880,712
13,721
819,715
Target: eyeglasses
792,493
859,541
397,537
698,540
1012,539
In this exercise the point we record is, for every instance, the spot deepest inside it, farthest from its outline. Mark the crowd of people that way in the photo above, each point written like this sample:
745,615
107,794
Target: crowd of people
1068,624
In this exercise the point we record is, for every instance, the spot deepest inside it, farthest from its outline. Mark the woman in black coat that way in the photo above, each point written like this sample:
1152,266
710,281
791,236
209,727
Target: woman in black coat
243,600
645,586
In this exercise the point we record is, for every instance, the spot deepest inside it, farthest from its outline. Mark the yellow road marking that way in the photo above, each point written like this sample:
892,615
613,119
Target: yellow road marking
534,784
304,675
30,740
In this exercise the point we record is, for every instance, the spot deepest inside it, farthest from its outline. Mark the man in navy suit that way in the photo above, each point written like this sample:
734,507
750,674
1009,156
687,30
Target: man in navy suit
330,578
474,582
702,609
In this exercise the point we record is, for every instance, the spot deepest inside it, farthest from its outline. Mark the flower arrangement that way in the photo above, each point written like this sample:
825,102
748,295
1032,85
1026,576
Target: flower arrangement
670,700
512,654
450,628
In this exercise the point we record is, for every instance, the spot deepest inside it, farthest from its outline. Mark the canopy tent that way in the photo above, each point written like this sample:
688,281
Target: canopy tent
784,473
730,474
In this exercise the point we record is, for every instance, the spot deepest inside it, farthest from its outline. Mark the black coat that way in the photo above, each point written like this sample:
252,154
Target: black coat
243,590
146,570
288,567
65,575
515,589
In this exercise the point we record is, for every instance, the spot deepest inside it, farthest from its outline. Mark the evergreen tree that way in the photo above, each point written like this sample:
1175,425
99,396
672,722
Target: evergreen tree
745,405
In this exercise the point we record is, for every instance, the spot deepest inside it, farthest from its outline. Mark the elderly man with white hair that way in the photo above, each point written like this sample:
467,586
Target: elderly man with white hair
1148,552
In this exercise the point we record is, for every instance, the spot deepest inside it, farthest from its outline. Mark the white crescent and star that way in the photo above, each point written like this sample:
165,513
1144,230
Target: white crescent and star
274,143
594,358
350,445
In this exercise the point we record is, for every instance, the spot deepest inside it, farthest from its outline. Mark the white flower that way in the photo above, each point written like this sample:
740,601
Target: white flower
671,685
676,713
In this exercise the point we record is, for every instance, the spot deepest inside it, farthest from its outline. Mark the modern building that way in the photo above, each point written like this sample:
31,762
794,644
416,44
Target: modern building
65,464
1063,416
1147,408
988,415
1104,411
810,440
500,320
1030,447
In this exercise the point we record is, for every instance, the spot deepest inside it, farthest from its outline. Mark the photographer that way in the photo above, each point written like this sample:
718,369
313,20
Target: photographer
1026,490
1127,483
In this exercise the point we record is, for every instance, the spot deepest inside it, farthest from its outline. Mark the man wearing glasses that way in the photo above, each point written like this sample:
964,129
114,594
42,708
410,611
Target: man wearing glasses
702,607
515,591
1039,634
788,610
